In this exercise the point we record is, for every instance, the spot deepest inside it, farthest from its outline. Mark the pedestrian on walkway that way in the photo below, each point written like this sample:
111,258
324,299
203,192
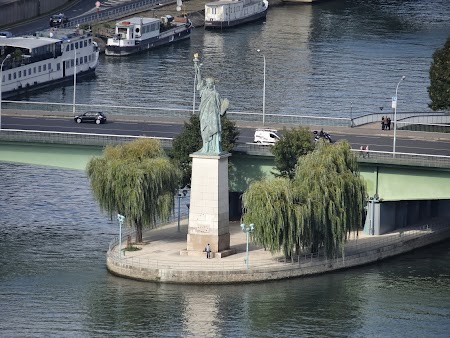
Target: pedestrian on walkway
389,123
208,251
383,123
366,151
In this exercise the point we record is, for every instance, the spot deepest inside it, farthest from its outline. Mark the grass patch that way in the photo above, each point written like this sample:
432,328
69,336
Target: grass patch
131,248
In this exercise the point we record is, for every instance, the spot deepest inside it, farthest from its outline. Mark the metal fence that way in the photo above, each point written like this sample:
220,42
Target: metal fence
353,250
36,136
423,121
430,121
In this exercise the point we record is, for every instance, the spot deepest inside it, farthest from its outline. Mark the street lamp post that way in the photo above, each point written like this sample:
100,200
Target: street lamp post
351,114
181,194
264,88
1,81
121,219
74,80
395,114
247,229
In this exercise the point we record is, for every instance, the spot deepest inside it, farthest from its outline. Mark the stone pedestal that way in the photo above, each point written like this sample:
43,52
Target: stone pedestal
209,210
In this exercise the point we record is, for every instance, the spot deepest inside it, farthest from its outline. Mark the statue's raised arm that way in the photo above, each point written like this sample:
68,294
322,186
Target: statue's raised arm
210,109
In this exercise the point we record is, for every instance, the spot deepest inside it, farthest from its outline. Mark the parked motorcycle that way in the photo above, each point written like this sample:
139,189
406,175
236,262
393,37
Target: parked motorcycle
318,135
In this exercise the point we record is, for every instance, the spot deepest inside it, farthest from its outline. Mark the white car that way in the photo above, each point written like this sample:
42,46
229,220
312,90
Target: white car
266,136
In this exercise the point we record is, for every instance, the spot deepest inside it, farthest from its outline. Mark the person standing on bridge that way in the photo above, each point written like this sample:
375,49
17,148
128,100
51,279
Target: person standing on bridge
211,108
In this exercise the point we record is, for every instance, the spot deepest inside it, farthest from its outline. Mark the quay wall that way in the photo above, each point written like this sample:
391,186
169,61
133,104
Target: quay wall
22,10
279,271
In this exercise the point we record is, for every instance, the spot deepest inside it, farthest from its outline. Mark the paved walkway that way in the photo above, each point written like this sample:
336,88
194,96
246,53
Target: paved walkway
159,258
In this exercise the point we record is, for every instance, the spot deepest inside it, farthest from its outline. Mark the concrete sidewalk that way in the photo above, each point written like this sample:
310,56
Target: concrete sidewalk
159,259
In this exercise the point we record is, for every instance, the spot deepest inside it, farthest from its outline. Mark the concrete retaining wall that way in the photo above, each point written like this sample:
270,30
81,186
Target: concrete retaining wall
23,10
275,272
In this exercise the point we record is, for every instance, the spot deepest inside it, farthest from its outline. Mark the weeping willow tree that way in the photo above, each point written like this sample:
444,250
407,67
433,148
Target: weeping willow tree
137,180
316,209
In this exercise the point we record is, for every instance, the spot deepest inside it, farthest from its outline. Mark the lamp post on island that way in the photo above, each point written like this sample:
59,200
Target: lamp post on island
394,105
181,194
121,219
247,229
264,88
1,81
351,114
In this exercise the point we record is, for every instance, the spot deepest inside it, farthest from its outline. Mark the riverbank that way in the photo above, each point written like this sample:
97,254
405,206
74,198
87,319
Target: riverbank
159,259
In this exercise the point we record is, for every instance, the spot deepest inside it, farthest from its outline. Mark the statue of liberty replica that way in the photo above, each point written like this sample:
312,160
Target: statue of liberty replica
209,206
211,108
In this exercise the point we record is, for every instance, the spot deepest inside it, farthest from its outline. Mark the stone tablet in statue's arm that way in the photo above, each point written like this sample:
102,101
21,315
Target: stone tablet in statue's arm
224,106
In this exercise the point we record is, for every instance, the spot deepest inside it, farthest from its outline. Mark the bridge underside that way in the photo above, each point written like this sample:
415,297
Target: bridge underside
383,217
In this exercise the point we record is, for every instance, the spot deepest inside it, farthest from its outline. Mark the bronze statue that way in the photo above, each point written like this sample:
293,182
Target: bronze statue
211,108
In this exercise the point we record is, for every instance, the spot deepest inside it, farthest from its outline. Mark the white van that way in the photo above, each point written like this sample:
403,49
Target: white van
266,136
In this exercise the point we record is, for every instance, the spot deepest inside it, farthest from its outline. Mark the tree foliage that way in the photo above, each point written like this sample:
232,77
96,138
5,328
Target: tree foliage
293,144
190,140
318,208
439,89
137,180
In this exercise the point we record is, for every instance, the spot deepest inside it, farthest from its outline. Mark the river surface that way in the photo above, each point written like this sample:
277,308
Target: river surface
339,58
54,282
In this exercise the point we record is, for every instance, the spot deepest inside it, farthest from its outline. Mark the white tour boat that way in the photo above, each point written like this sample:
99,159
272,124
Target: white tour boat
138,34
229,13
45,58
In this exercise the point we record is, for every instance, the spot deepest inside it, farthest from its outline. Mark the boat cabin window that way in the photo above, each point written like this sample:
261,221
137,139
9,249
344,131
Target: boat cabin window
89,41
20,73
45,68
39,69
122,32
15,76
67,48
76,45
85,59
71,46
29,71
9,77
85,43
49,66
58,66
34,70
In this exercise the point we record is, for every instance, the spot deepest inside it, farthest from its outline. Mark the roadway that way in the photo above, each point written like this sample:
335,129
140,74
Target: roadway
71,10
378,140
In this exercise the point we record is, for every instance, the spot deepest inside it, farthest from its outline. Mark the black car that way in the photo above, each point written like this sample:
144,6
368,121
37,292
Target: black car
58,20
91,116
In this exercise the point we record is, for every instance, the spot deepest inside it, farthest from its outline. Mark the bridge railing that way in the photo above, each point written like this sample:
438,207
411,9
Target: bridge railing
423,160
53,137
37,136
423,121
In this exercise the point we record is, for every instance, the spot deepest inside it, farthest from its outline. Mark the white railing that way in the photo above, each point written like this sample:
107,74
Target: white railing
353,250
414,120
37,136
402,158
